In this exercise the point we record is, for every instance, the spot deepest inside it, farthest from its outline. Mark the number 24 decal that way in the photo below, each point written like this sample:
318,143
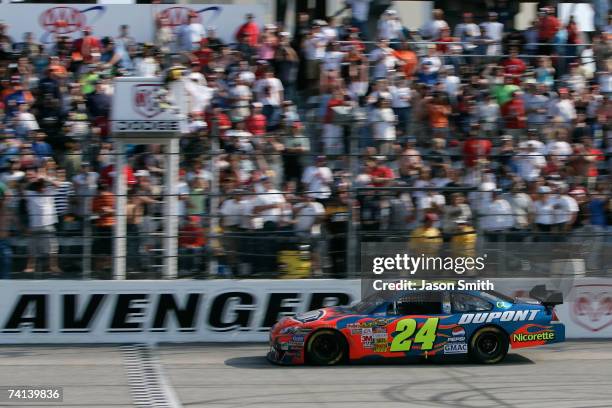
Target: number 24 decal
426,335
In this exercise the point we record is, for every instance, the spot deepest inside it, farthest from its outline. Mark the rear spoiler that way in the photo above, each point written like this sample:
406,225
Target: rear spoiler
548,298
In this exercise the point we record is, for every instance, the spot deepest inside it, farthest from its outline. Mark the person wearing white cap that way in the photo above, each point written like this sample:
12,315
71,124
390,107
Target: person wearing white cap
389,26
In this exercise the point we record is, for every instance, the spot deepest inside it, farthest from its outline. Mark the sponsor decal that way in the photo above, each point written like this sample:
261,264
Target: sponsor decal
355,328
179,16
455,348
503,305
592,306
367,338
297,340
64,20
309,316
380,341
145,100
454,339
527,337
507,316
458,331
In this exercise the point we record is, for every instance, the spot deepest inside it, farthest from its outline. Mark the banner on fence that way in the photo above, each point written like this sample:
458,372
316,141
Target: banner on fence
46,21
212,311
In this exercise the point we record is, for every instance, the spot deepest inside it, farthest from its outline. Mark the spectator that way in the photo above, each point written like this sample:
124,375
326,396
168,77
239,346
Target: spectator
42,219
191,243
493,31
103,206
87,48
5,248
360,10
317,179
426,239
497,219
383,122
467,32
249,31
432,29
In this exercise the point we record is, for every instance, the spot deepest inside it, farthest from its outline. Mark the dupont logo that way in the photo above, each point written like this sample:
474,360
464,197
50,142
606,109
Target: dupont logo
178,16
66,20
145,101
592,306
458,331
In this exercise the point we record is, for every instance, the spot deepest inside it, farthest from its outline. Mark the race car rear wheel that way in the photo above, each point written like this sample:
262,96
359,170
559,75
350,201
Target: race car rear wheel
488,345
325,347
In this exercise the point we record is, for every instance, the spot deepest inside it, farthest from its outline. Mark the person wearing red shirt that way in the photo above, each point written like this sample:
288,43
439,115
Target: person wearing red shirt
107,175
380,174
191,242
548,25
513,113
250,29
445,37
475,149
591,156
204,54
256,123
85,47
514,66
217,121
332,132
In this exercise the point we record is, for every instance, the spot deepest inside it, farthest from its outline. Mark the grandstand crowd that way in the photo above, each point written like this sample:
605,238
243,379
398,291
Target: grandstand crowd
429,134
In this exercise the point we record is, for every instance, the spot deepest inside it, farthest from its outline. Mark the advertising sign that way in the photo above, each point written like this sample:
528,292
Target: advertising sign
211,311
144,107
48,20
158,311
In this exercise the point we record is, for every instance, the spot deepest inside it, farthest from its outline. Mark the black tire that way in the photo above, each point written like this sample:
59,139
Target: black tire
488,345
326,347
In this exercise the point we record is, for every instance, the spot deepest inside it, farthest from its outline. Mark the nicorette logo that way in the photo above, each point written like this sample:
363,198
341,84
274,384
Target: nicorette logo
521,337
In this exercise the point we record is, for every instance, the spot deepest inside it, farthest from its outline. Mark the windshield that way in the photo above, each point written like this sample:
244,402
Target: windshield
368,304
493,295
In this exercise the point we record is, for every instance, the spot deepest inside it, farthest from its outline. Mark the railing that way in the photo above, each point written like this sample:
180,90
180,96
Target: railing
246,250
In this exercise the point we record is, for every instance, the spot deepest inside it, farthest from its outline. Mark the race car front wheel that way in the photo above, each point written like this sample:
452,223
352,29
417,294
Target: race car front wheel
325,347
488,345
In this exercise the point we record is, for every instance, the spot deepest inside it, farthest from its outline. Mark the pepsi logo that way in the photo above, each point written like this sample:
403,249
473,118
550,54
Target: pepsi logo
458,331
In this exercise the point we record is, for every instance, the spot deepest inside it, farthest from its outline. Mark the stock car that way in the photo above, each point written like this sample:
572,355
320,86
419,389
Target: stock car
479,324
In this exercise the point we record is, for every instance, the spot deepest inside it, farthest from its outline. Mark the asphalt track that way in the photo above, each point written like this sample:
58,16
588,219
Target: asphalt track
573,374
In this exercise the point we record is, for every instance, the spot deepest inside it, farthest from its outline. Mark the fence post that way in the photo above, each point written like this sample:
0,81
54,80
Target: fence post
352,240
120,220
171,210
213,265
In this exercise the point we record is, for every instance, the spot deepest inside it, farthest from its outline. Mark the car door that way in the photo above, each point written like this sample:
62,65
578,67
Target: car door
418,315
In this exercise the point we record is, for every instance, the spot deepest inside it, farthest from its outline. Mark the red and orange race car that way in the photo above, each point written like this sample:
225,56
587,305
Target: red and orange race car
479,324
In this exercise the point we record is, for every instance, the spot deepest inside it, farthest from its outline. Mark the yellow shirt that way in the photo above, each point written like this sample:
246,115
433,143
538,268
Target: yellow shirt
426,240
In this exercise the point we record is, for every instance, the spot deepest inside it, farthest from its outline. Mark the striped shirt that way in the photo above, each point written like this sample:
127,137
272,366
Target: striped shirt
63,193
